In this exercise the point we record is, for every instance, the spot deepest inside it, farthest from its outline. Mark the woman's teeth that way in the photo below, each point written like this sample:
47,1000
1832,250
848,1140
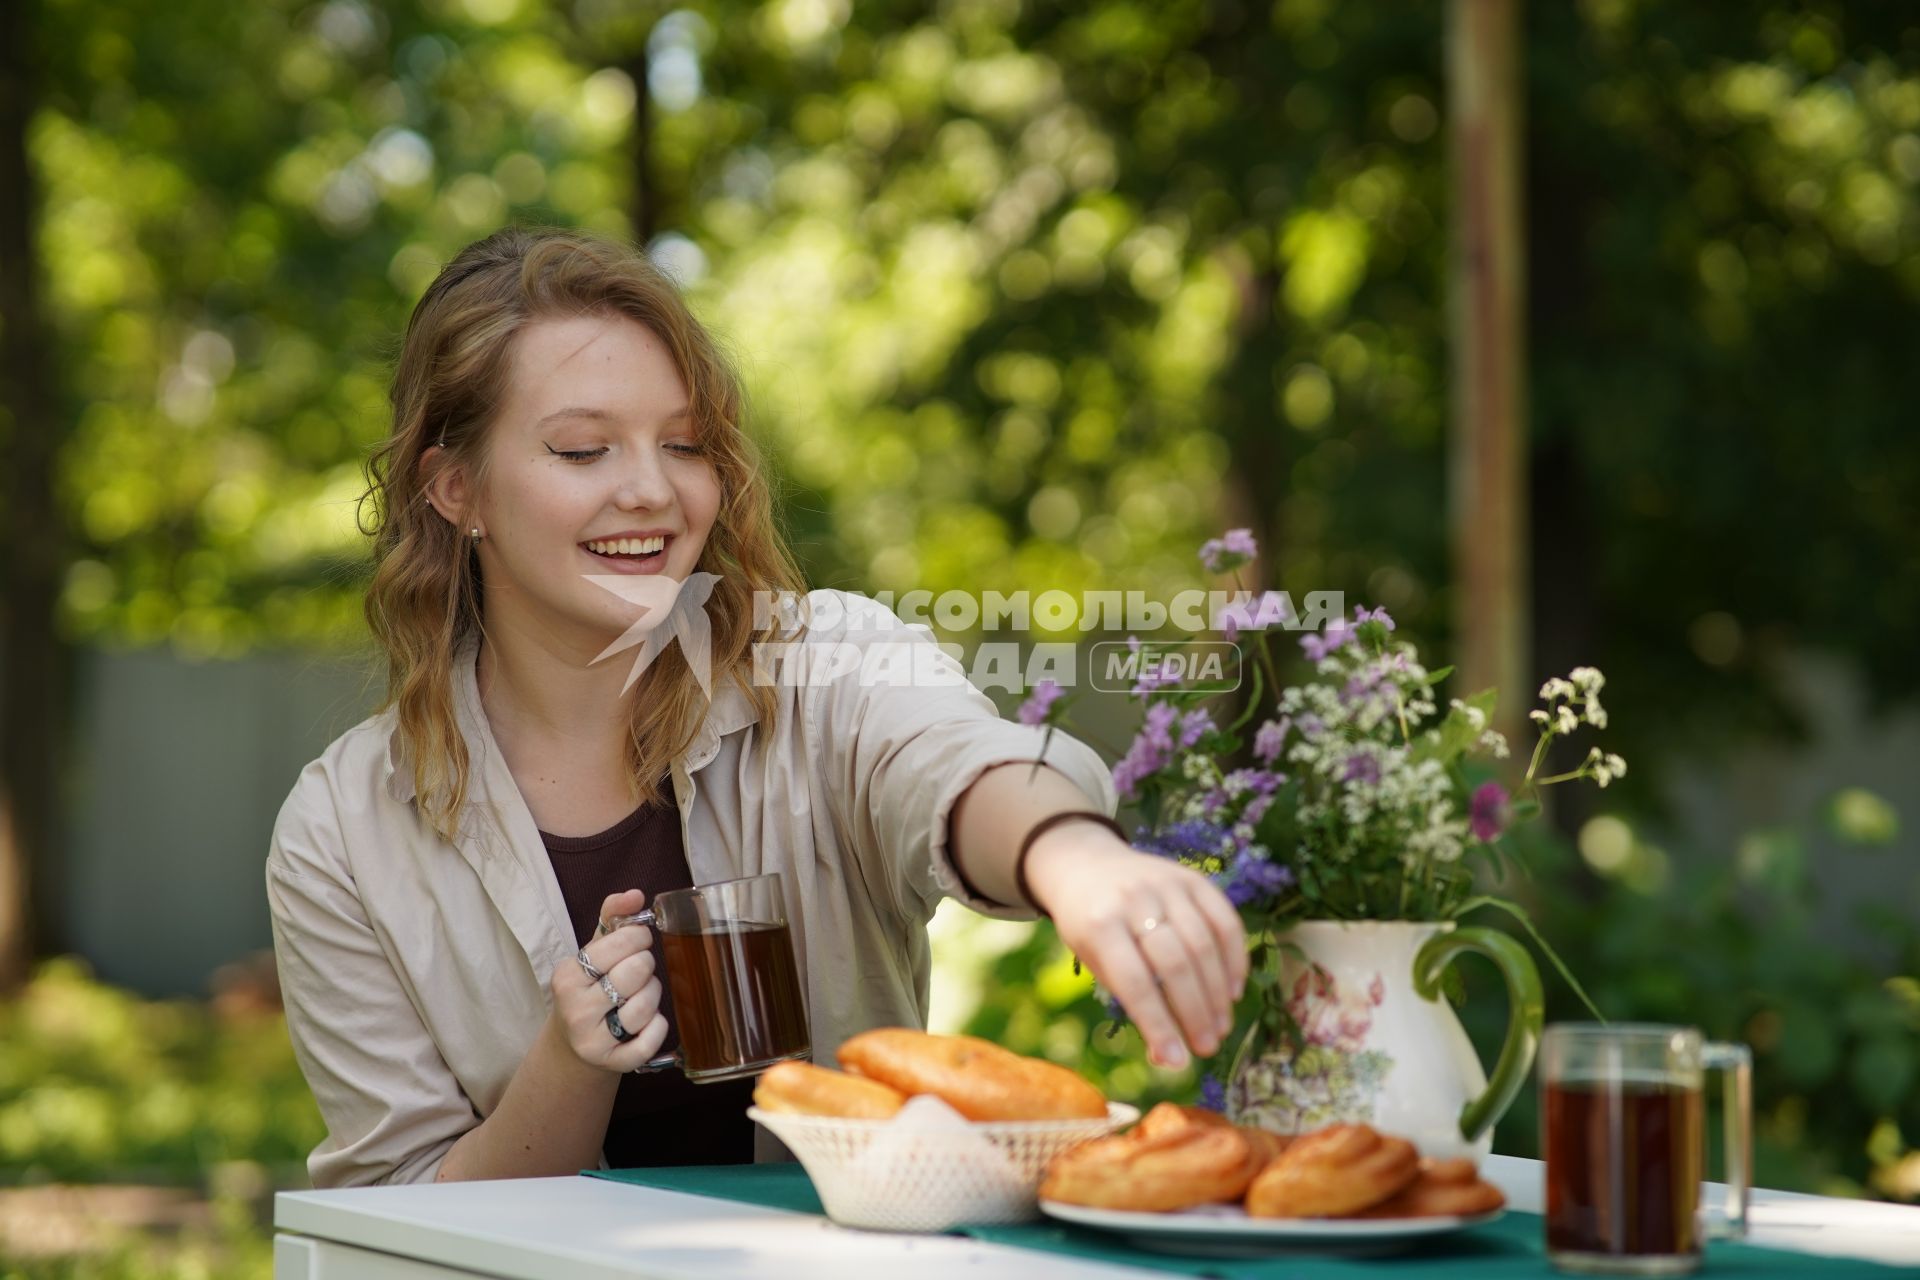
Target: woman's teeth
629,546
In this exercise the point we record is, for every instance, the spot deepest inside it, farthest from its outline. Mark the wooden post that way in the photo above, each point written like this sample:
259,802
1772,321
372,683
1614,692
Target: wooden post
1488,443
32,536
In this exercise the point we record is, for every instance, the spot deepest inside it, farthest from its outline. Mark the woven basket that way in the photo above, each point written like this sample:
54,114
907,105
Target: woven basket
887,1176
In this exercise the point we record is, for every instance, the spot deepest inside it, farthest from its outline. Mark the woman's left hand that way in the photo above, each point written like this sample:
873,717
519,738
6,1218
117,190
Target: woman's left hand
1160,936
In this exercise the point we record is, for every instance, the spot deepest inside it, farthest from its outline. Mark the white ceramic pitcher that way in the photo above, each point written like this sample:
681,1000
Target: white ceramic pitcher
1381,1045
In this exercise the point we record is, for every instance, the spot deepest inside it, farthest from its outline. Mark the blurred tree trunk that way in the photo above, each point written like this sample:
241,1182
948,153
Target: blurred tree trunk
1564,192
1488,440
645,210
30,684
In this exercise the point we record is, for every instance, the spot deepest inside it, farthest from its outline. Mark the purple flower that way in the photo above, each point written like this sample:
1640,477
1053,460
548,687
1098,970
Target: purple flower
1191,840
1229,551
1159,725
1040,704
1115,1009
1149,752
1213,1094
1194,725
1488,812
1270,738
1152,677
1252,878
1318,647
1379,615
1259,781
1361,767
1230,619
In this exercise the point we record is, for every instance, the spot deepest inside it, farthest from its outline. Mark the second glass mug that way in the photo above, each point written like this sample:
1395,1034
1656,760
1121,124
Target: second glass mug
1623,1126
728,962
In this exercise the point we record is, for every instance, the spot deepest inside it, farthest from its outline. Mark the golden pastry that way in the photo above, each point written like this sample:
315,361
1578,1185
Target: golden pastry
1444,1189
975,1077
1169,1161
800,1088
1334,1173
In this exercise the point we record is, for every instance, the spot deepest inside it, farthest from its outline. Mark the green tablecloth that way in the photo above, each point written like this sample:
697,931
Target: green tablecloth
1510,1247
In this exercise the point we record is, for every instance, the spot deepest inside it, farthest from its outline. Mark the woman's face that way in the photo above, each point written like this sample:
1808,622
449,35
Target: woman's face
593,468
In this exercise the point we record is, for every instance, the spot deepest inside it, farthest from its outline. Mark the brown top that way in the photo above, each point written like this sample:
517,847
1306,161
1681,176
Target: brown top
661,1118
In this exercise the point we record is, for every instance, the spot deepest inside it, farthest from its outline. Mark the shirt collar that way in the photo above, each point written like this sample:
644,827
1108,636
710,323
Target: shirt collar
730,711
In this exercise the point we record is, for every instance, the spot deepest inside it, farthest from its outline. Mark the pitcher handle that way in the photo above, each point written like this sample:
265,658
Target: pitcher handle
671,1058
1526,1013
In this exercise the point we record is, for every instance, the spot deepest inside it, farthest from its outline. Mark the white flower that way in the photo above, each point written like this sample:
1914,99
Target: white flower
1495,742
1556,688
1539,717
1603,768
1587,679
1566,722
1476,718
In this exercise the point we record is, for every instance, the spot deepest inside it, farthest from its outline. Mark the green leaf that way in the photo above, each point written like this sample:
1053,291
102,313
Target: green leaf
1253,700
1456,733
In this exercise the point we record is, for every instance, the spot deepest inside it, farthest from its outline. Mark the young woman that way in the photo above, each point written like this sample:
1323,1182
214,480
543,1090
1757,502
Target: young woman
437,876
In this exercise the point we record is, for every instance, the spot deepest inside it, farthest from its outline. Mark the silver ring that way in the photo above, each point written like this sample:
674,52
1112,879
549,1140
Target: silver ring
602,931
1148,925
617,1028
612,992
592,973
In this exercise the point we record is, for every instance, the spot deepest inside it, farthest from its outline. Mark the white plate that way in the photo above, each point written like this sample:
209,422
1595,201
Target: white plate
1225,1231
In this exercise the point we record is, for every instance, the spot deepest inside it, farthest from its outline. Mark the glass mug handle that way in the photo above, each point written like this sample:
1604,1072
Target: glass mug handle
672,1057
1736,1060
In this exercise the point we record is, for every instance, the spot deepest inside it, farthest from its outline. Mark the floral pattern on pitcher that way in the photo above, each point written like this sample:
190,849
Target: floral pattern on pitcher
1332,1077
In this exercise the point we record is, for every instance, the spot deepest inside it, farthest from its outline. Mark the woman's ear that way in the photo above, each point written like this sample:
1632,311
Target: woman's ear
447,485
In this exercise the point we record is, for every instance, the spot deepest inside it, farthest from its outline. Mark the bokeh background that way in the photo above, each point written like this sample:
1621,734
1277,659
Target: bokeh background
1028,295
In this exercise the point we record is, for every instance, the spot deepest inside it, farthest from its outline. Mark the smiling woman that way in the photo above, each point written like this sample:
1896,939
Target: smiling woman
561,423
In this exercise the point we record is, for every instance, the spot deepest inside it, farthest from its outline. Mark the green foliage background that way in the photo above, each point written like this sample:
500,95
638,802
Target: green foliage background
1038,295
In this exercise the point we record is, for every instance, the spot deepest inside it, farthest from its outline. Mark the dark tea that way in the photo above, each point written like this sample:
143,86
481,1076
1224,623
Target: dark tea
1623,1168
737,1005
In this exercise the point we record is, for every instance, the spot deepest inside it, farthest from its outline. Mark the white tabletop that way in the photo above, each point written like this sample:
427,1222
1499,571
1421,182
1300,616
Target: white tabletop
592,1229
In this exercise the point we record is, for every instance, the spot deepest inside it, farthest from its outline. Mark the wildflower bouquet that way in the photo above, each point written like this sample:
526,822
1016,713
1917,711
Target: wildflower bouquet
1351,795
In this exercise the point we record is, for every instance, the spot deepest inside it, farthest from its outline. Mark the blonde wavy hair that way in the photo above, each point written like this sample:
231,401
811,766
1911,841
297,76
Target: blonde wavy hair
426,596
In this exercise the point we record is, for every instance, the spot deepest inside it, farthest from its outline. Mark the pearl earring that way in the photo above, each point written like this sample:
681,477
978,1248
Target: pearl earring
475,535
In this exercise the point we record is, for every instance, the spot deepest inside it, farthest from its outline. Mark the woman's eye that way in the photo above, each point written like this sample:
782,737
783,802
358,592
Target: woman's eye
686,448
577,455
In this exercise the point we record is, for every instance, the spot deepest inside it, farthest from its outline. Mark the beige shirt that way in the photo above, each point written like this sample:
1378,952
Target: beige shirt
415,971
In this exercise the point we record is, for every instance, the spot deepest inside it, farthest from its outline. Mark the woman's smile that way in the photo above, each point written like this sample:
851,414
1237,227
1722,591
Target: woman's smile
629,552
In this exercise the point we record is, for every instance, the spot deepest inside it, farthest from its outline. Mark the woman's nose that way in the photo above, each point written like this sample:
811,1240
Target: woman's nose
643,485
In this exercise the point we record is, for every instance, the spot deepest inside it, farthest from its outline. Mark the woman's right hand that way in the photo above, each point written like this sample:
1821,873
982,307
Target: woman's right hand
581,1005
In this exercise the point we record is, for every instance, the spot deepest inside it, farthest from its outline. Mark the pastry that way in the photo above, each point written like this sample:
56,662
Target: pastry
975,1077
1169,1161
1333,1173
1444,1189
800,1088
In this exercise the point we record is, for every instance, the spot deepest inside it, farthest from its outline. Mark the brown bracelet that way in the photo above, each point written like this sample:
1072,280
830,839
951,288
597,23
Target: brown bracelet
1040,828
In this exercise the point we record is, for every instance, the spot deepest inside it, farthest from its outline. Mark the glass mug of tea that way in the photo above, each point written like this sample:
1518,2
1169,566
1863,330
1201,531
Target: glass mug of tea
1623,1122
729,968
